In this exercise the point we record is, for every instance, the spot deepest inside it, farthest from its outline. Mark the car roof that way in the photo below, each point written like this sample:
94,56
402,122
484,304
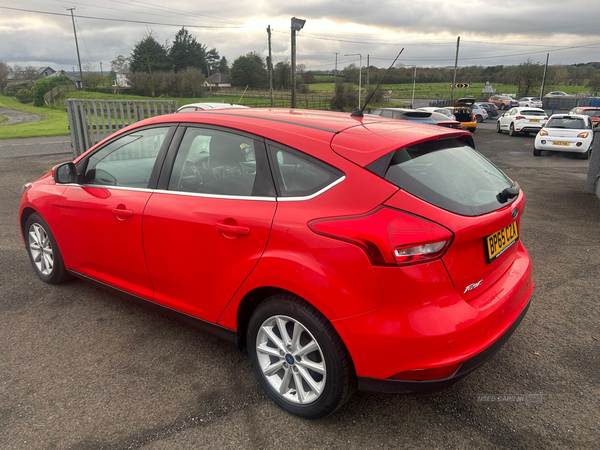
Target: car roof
528,108
576,116
212,105
361,140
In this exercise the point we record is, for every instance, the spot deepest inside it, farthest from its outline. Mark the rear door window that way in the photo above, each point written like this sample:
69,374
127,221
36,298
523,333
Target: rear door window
573,123
300,175
449,174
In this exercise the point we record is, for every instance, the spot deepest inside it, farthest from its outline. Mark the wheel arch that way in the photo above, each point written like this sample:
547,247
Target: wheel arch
25,214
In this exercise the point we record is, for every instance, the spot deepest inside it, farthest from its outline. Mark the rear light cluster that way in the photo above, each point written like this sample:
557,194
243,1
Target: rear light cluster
389,236
543,133
583,135
520,117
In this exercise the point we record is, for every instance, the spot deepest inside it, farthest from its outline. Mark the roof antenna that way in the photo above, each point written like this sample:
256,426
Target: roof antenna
359,113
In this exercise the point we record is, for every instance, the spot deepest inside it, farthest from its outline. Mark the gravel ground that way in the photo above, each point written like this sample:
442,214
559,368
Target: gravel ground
16,117
81,368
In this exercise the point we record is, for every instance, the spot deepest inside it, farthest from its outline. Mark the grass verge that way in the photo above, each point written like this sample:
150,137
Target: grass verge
55,123
3,119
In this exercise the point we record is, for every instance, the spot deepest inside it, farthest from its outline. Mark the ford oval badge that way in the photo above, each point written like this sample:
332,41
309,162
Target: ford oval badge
515,213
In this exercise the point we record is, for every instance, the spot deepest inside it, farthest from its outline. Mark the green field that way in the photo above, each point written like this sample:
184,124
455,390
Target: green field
56,123
3,119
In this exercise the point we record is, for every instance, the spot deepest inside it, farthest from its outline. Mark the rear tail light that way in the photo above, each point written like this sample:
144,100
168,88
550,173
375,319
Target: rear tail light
545,118
427,374
583,135
520,118
389,236
543,133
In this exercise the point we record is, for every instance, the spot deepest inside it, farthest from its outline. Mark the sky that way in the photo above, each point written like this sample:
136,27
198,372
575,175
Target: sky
491,32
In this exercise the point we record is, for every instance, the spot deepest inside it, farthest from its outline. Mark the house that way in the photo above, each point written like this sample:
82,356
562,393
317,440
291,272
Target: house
44,72
31,74
75,79
122,79
217,80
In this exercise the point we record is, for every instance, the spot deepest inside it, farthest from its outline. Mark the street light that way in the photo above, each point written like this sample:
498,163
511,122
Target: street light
297,25
359,76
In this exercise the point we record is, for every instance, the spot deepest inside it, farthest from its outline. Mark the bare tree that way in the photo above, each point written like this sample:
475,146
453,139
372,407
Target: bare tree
5,71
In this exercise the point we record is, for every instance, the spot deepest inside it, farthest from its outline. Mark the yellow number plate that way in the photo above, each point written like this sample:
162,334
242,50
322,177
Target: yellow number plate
500,241
566,144
534,120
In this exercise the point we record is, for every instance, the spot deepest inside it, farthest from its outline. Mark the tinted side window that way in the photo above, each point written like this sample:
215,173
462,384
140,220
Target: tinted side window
299,175
127,161
386,113
215,162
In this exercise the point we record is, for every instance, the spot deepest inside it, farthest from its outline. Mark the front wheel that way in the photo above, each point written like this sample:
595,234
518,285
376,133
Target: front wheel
537,152
498,129
298,358
43,251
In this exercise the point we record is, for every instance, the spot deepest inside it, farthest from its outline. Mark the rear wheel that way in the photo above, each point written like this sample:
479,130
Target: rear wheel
43,251
537,152
501,107
298,358
585,155
511,130
498,129
479,118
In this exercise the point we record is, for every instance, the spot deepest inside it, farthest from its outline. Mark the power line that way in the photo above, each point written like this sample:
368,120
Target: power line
117,20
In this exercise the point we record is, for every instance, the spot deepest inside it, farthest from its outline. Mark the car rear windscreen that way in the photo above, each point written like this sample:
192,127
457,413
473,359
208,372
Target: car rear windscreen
572,123
532,112
449,174
592,112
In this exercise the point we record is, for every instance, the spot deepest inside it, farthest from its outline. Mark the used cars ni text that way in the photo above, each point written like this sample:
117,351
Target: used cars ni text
340,252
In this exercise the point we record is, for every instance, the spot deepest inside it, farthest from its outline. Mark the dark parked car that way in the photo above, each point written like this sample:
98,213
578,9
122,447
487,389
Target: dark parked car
491,109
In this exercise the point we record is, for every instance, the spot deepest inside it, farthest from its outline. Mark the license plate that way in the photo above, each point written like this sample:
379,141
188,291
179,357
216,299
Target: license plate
500,241
566,144
534,120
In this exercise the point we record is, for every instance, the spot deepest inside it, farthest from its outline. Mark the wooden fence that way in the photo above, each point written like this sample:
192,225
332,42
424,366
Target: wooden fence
90,121
50,95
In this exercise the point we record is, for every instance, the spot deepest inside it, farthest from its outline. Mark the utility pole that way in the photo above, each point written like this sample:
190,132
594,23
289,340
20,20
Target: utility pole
335,71
101,73
455,67
359,76
77,47
412,103
297,25
544,78
368,72
270,69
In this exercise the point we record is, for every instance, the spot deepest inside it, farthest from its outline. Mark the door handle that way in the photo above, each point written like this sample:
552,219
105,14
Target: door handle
232,229
122,212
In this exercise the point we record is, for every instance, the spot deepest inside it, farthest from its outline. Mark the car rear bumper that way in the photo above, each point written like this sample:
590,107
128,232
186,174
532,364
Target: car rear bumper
424,323
528,128
571,148
389,386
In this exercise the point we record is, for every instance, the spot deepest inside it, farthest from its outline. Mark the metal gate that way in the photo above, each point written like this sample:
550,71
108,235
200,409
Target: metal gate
90,121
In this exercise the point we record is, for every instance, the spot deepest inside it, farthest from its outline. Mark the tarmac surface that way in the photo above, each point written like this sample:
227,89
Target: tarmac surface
16,117
81,368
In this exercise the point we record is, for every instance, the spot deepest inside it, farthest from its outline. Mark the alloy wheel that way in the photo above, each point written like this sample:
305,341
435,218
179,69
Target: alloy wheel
291,359
41,249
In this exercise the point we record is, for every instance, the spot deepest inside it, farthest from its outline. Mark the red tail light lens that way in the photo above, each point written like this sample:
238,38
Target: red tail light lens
389,236
583,135
545,118
520,118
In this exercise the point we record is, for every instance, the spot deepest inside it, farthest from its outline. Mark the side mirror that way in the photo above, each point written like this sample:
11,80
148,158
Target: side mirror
65,173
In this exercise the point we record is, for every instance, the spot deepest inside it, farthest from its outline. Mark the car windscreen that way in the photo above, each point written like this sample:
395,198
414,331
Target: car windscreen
449,174
532,112
445,112
571,123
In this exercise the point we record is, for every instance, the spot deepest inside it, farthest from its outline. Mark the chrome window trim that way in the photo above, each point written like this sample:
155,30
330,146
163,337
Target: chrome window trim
316,194
225,197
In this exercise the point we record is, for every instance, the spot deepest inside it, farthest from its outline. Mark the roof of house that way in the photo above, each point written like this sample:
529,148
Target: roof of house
218,78
43,69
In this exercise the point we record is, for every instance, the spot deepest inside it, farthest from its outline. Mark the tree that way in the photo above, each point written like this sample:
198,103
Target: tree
192,81
223,66
594,82
25,73
212,60
187,52
528,76
5,71
91,78
149,56
249,70
282,75
308,77
119,63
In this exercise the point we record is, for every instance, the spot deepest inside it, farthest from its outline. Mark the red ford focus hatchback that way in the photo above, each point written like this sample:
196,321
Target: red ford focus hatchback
339,252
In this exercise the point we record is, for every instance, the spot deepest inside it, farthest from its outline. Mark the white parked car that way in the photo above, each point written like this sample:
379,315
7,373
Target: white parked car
436,109
557,94
479,112
521,120
533,102
566,133
207,105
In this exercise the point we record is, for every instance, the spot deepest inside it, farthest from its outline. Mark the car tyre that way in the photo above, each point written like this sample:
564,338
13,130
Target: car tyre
498,129
278,361
585,155
537,152
43,251
501,107
511,130
479,118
